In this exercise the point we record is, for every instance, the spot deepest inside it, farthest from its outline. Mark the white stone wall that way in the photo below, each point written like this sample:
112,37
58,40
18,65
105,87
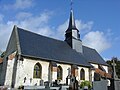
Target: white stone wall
95,65
86,73
26,68
93,71
9,72
65,71
106,68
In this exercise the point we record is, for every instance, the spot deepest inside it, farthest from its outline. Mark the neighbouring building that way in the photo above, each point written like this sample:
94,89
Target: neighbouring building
32,58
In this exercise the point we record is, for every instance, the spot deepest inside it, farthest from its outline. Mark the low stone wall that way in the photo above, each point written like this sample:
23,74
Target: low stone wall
65,87
117,84
34,87
46,88
3,87
100,85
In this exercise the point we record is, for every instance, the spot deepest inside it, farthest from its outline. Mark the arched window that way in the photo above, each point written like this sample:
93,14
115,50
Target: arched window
59,72
37,71
82,74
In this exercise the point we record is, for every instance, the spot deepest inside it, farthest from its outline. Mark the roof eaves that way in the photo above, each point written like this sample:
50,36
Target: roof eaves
98,63
47,59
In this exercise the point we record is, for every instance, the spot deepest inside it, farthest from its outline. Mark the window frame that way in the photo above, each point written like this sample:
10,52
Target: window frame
60,75
82,74
37,72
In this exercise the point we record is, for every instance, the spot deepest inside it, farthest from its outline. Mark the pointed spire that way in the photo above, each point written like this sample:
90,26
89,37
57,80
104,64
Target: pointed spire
72,24
72,36
71,21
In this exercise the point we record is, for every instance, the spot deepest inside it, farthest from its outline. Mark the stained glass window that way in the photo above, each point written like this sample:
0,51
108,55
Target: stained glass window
59,72
82,74
37,71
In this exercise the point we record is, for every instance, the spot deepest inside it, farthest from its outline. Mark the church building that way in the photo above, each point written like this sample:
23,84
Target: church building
32,58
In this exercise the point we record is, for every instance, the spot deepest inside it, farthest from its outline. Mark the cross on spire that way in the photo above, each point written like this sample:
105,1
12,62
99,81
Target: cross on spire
71,4
72,36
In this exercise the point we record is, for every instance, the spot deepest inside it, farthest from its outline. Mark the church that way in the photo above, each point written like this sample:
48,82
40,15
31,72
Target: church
32,58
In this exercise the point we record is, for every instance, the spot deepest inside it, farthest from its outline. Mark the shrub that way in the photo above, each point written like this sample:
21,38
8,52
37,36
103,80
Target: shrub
86,83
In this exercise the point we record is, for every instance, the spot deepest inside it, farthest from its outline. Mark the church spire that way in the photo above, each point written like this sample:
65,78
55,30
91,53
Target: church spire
72,31
72,24
72,21
72,36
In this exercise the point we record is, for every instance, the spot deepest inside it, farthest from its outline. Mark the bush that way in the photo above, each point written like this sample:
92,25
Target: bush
86,83
21,87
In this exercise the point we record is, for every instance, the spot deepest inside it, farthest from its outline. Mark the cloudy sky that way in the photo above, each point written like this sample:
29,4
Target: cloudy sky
98,21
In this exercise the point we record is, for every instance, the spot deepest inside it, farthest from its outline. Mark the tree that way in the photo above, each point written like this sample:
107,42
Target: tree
117,67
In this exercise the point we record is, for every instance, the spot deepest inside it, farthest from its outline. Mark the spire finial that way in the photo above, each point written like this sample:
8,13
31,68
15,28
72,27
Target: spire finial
71,4
72,20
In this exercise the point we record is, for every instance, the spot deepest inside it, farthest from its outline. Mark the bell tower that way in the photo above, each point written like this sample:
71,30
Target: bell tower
72,36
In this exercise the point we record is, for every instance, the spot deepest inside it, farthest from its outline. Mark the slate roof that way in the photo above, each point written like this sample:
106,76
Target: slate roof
93,56
33,45
38,46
